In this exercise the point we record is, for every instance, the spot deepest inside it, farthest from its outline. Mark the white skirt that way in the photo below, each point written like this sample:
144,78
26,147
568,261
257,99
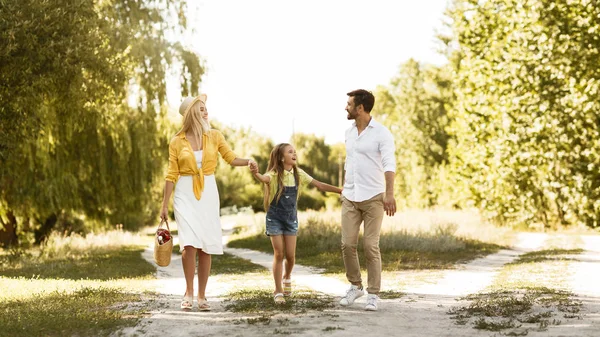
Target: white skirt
198,221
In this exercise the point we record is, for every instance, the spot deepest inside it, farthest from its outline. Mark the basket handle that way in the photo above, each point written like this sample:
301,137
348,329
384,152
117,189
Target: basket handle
165,222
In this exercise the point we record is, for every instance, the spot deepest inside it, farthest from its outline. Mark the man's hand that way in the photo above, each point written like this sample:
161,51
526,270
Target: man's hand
389,204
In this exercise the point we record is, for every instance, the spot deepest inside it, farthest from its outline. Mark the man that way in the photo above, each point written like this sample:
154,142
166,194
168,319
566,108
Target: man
368,193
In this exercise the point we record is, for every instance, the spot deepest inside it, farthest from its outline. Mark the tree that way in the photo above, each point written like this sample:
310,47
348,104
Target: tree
337,155
313,156
526,119
236,185
415,108
70,145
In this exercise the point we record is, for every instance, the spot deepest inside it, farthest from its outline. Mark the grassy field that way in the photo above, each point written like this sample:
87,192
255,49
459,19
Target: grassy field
99,284
409,240
74,286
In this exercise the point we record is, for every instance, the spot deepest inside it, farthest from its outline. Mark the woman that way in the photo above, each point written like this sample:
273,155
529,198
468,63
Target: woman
193,158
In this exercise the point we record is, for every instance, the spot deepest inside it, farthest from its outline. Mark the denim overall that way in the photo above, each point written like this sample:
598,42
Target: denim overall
282,216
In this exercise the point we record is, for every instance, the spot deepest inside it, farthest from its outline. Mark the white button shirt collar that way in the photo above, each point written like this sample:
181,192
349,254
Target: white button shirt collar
368,156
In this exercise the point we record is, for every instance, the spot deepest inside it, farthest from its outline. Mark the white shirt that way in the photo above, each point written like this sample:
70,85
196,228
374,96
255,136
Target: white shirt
368,156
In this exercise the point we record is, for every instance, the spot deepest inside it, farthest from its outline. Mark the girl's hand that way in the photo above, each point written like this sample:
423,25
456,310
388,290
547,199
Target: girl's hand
253,166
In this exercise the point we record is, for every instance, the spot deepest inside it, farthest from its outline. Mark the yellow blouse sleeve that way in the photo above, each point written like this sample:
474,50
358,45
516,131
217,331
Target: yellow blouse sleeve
224,149
173,171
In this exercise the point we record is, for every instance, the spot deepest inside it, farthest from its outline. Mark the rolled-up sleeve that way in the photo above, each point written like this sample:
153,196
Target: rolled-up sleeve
173,171
388,152
224,149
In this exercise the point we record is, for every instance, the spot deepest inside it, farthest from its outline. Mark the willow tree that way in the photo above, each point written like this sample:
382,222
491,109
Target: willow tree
73,151
527,117
237,187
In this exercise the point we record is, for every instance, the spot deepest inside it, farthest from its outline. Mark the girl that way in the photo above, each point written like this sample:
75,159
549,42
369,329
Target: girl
281,193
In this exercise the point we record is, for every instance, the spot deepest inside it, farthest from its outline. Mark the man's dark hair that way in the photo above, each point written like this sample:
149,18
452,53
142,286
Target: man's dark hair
364,97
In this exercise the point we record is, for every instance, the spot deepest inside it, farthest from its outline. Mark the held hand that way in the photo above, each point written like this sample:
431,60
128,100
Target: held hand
164,214
253,166
389,204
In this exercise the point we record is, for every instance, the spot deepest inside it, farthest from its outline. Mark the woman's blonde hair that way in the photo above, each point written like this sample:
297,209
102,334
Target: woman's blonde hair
192,120
276,165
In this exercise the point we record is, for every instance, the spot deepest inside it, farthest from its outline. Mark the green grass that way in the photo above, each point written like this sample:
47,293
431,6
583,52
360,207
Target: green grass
261,301
319,246
229,264
527,294
390,294
546,255
97,264
544,268
74,286
507,309
484,324
85,312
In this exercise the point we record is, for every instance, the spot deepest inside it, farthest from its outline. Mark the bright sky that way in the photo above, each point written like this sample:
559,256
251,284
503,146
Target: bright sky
281,66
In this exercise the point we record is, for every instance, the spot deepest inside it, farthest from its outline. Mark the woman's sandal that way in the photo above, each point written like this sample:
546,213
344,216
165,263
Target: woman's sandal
187,303
278,298
203,305
287,287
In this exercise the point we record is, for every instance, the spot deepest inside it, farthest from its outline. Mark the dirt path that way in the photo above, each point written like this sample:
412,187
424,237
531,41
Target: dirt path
585,282
421,312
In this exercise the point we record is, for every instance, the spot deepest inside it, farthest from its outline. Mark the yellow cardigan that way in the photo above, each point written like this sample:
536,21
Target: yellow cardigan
182,161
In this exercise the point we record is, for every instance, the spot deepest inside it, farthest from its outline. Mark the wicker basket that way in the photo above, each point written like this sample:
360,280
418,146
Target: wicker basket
162,253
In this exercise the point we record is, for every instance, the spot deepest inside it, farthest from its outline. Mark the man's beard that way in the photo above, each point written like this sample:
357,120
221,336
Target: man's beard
351,115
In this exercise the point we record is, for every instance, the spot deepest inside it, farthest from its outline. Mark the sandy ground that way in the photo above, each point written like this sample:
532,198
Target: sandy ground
421,312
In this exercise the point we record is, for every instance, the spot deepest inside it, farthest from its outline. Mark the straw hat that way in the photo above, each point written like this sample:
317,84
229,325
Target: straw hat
187,103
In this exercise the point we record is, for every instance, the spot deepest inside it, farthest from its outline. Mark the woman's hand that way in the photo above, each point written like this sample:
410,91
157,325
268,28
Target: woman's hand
164,214
253,166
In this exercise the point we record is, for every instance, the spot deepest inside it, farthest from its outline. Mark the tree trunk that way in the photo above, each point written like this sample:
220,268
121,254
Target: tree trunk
42,233
8,231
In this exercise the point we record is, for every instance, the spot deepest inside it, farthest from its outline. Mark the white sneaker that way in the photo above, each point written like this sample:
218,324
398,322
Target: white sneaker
353,293
371,302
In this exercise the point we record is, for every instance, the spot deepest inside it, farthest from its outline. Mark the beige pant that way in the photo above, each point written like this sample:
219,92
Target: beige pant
353,214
